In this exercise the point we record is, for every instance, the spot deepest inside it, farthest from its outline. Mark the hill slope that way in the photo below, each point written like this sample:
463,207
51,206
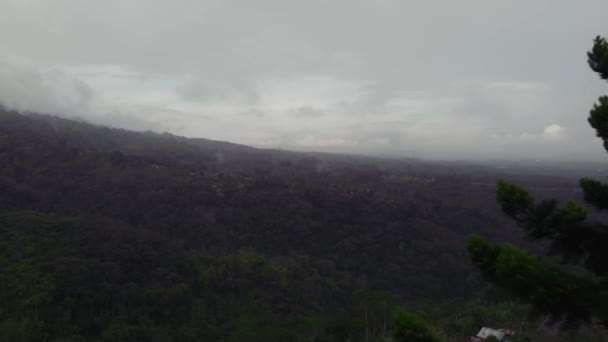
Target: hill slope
145,200
394,221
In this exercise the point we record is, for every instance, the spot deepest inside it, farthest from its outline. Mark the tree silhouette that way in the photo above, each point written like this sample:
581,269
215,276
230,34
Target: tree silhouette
574,296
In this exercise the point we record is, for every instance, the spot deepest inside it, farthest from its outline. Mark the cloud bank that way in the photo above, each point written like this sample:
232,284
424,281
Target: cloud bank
438,79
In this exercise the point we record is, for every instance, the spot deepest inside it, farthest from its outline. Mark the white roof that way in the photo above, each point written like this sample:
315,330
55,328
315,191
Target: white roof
487,332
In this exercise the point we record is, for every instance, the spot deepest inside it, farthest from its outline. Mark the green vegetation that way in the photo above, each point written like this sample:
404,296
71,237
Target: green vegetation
378,220
549,289
170,243
452,321
64,278
409,328
74,279
570,295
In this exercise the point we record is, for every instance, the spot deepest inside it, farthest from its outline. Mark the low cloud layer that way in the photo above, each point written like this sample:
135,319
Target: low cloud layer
440,79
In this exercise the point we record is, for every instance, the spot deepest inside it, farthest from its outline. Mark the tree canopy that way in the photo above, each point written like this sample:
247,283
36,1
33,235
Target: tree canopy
407,327
578,293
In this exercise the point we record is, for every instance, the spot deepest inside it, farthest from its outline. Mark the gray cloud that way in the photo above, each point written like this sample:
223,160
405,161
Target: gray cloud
443,79
54,92
308,111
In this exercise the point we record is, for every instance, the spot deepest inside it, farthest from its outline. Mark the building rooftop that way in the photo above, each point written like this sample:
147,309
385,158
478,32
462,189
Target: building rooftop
501,334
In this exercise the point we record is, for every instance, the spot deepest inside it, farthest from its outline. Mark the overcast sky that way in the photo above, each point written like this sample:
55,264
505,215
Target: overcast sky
440,79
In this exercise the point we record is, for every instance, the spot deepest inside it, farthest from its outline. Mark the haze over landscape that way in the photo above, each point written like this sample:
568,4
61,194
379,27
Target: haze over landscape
451,80
319,171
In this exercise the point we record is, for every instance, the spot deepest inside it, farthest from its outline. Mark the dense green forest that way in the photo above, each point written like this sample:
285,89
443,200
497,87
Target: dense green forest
352,214
63,277
112,235
66,279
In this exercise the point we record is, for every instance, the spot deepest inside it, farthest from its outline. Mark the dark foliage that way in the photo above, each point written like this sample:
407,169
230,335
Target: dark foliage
565,296
175,239
598,57
409,328
65,278
577,240
398,224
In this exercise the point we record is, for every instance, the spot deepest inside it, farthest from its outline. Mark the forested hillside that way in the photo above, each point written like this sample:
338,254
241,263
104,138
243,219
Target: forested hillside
118,235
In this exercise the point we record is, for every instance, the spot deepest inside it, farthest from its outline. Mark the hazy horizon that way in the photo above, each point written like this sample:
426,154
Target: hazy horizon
471,80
